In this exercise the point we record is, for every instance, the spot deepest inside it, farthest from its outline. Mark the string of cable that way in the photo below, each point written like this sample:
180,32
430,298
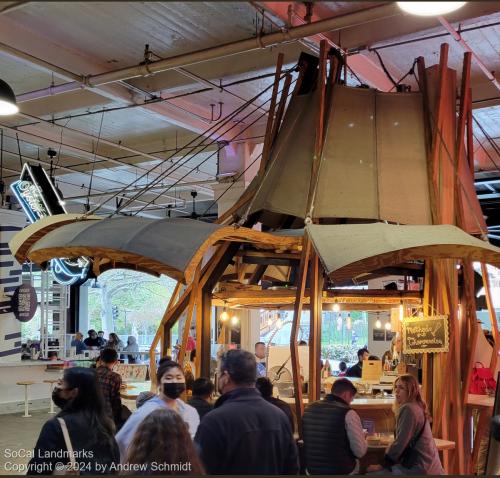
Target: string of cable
170,186
182,161
490,140
198,139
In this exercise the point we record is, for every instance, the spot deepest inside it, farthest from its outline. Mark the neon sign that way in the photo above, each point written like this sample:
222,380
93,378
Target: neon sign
39,198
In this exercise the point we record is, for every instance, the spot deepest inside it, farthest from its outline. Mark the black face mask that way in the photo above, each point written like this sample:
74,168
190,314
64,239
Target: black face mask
174,389
58,400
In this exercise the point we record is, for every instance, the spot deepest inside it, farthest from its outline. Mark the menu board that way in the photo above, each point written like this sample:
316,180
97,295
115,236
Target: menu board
428,334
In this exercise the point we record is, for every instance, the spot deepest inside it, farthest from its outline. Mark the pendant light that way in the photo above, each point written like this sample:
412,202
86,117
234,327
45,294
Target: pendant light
429,9
8,104
378,324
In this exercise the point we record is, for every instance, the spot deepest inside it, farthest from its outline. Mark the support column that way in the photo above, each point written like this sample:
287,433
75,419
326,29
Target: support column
250,329
11,222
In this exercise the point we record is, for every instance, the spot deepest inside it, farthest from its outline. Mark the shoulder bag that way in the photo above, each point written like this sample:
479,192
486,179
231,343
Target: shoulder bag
72,468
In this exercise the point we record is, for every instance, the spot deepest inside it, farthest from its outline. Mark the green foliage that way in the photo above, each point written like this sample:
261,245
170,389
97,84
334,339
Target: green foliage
347,353
141,300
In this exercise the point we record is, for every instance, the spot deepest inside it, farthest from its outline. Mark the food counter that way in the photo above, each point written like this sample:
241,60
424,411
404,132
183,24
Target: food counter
12,395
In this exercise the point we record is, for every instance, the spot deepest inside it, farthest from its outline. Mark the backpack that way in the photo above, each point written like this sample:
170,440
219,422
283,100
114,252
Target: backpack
482,380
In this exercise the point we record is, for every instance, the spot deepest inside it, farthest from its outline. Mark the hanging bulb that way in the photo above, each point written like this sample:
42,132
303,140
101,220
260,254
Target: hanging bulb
349,322
269,322
279,324
401,312
430,8
224,316
387,326
336,307
378,324
234,320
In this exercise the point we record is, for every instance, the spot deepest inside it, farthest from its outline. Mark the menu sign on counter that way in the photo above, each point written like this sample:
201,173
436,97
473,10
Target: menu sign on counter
428,334
24,303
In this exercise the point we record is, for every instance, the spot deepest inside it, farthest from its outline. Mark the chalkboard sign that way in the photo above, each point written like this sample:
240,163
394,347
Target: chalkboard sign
24,303
426,334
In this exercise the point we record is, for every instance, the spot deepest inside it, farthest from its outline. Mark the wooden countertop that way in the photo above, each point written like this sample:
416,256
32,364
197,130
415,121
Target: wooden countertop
481,401
133,389
358,403
441,444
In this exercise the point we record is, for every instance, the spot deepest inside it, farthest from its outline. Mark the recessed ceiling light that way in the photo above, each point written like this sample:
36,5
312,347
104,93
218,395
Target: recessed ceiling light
430,8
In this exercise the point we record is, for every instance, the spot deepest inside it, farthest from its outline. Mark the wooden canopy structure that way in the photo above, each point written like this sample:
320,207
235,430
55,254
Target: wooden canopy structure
353,184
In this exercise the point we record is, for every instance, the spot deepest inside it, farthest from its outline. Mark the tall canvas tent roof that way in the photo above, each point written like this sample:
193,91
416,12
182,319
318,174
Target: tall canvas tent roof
373,165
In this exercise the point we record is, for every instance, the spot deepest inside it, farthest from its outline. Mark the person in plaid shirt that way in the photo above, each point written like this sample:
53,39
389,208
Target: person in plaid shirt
110,383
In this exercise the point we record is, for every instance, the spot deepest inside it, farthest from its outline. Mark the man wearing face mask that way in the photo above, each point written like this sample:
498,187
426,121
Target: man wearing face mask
171,383
244,434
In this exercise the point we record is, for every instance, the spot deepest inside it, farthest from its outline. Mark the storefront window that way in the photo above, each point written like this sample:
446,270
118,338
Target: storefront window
128,303
342,333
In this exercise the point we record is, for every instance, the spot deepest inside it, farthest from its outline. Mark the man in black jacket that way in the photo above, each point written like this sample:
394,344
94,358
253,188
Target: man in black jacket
203,389
357,369
333,434
244,434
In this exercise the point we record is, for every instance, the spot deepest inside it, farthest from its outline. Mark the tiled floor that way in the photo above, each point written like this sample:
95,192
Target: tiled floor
18,436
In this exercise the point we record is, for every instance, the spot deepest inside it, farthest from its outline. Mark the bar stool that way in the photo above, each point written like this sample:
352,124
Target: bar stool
51,382
26,384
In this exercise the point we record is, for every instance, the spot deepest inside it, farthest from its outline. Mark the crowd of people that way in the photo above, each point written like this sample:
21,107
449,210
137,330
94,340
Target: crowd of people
246,430
96,341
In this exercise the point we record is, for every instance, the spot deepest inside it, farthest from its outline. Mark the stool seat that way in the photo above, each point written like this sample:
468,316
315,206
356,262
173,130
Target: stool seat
51,380
26,383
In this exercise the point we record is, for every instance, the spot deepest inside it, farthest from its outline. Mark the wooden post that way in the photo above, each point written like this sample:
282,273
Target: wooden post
422,81
470,135
493,318
207,283
281,107
318,145
315,316
266,150
189,318
297,313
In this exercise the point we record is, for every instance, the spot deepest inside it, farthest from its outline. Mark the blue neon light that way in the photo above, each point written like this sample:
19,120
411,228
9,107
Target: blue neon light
34,205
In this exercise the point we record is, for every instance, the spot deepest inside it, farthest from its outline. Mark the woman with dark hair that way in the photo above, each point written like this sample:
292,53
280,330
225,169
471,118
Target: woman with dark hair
162,444
114,342
414,450
171,384
82,426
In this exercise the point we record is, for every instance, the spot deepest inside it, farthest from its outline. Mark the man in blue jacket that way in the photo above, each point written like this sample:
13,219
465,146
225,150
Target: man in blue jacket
244,434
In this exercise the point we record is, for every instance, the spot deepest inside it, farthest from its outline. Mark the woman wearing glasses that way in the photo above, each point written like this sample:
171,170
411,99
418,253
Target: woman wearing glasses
413,450
80,437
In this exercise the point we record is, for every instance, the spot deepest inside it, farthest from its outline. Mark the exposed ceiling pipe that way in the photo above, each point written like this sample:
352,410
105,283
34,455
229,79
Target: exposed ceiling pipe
79,151
179,186
262,41
466,47
107,142
72,170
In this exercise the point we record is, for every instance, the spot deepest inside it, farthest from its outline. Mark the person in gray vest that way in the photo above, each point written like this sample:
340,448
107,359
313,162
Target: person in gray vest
333,435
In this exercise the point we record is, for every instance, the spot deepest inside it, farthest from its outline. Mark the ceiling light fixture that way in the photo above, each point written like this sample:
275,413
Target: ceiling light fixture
388,326
234,320
8,104
428,9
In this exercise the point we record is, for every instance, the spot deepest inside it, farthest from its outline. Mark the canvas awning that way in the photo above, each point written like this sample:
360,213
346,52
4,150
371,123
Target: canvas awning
349,250
23,240
374,155
173,247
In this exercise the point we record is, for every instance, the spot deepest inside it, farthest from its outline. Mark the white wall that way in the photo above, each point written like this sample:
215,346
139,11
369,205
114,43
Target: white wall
376,347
